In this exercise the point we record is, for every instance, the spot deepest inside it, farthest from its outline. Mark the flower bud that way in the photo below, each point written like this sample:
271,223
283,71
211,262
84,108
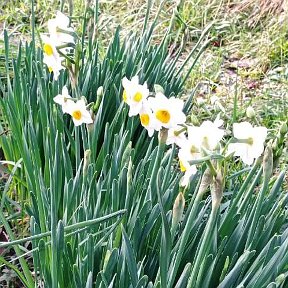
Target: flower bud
217,190
126,154
178,209
205,182
283,128
275,145
250,112
98,99
87,160
163,135
106,259
100,91
268,162
129,172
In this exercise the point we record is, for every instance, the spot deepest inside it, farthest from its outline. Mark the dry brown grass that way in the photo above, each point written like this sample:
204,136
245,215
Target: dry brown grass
261,9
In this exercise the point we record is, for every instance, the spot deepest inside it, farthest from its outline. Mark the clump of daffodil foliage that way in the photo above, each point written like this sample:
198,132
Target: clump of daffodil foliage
116,186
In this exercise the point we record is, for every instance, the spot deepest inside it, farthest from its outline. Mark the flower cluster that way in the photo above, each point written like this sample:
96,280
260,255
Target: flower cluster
202,140
55,46
154,112
195,142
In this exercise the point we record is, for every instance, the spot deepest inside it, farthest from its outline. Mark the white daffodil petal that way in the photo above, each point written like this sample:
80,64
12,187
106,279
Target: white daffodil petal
87,118
135,80
125,82
242,130
65,92
59,99
150,132
247,157
236,148
185,180
61,21
261,133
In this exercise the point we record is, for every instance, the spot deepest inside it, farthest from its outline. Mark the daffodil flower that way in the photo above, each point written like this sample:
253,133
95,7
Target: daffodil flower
148,120
190,150
78,112
250,144
207,135
176,135
51,57
134,94
168,112
61,22
62,99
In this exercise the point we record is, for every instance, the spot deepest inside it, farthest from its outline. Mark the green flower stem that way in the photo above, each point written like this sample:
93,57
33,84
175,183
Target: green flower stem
178,132
206,158
204,248
211,167
80,225
166,241
33,25
173,19
77,147
71,33
67,45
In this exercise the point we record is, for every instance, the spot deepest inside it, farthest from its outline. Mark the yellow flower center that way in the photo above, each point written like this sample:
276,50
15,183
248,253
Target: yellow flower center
205,142
125,96
47,48
144,118
193,149
250,141
182,167
50,69
77,114
137,97
163,116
